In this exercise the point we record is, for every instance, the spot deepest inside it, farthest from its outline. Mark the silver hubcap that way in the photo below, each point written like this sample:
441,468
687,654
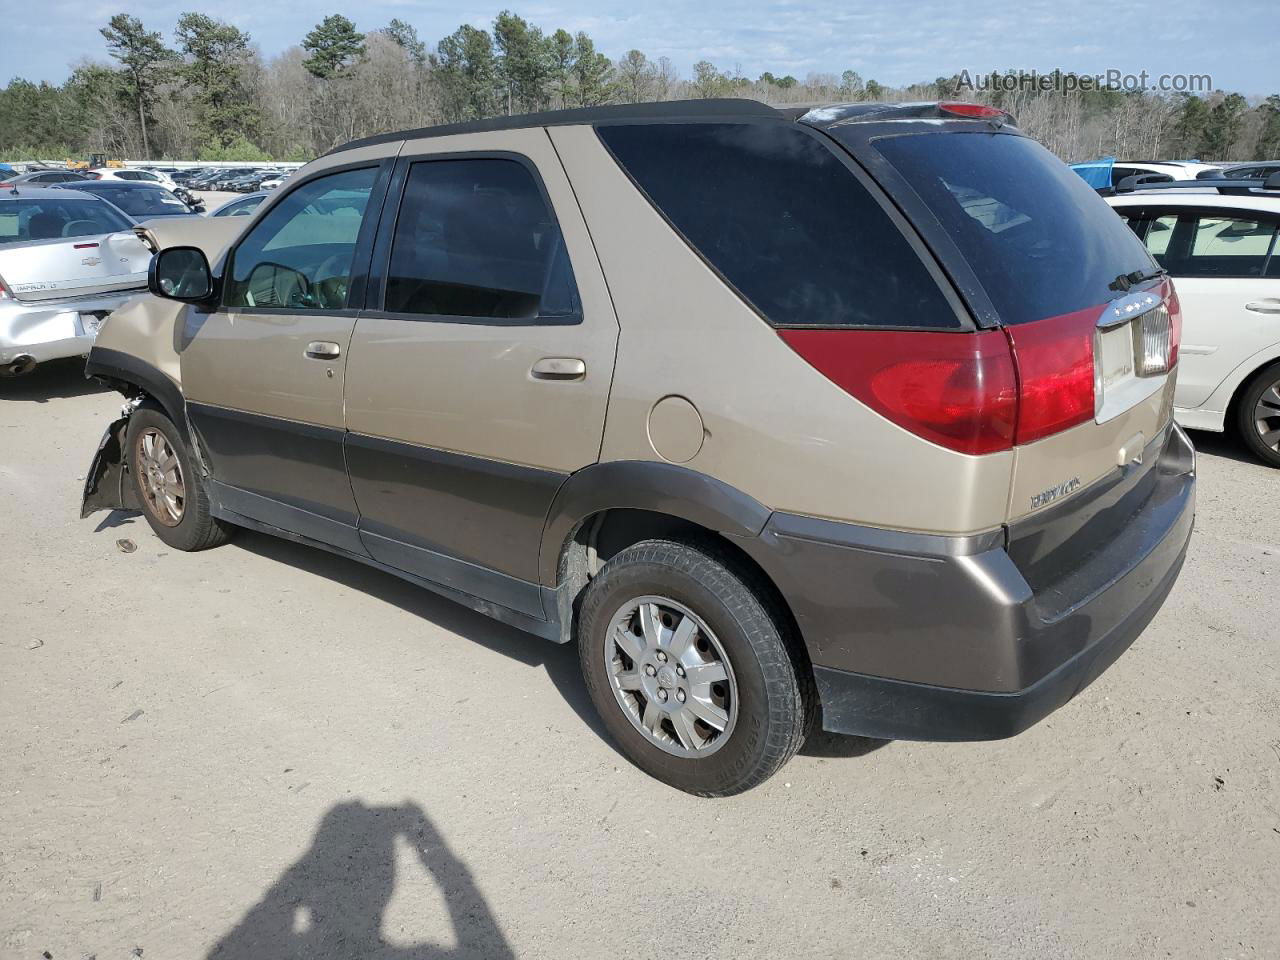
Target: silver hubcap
1266,416
671,676
160,477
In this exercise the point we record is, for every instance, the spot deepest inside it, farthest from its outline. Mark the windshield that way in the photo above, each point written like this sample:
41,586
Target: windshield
25,220
1041,242
140,202
239,208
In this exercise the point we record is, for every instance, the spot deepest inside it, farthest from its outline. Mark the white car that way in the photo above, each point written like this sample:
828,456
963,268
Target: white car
137,176
1223,254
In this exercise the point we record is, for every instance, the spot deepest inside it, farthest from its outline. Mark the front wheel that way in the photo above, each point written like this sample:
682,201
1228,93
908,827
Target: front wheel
690,668
1259,416
168,483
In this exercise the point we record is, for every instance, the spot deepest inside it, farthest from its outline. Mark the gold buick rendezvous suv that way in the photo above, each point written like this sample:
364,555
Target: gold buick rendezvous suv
856,416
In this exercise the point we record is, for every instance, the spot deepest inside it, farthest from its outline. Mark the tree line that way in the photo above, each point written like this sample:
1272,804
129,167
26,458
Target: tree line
208,93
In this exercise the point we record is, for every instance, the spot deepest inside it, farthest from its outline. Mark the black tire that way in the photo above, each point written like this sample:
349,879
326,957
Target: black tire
1246,420
775,699
196,528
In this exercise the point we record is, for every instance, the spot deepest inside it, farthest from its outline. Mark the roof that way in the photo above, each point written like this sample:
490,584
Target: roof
818,115
45,193
1193,198
731,108
125,184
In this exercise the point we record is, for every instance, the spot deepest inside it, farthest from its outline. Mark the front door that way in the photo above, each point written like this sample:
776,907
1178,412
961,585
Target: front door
263,374
478,378
1228,283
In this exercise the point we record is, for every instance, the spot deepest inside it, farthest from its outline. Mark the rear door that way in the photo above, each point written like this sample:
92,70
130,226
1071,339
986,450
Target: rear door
263,374
1228,278
479,374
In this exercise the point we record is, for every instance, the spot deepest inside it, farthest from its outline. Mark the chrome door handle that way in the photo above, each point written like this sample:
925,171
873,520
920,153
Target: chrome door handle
559,368
1264,306
322,350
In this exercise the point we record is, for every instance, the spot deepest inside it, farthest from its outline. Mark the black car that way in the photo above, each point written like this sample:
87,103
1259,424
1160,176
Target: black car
142,201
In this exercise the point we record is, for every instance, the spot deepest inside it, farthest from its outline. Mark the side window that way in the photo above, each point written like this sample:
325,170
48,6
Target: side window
1159,233
1224,246
476,238
299,257
787,224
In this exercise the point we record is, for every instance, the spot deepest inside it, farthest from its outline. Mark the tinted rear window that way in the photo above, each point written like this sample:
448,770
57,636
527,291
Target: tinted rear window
784,221
475,238
1041,242
140,201
25,220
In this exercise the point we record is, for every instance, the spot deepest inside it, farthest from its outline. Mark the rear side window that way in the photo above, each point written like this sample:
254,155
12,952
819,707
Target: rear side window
475,238
784,221
1191,243
1040,241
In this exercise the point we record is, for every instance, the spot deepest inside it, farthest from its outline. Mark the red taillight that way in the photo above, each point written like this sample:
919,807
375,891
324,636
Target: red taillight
4,291
955,389
1055,373
82,246
972,110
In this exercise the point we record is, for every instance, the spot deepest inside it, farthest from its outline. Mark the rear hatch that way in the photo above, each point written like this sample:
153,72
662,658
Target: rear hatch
54,248
1091,323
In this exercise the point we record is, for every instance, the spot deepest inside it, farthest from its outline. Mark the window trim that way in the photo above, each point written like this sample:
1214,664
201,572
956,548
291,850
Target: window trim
376,291
360,256
1190,214
928,259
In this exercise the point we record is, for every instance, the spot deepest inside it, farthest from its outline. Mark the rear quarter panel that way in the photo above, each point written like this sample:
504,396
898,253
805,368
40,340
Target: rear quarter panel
773,427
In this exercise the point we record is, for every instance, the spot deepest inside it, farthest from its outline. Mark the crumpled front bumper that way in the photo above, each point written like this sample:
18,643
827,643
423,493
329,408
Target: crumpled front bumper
50,330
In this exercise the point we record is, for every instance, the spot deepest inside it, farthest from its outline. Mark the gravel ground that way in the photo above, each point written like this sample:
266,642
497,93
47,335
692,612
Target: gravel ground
263,752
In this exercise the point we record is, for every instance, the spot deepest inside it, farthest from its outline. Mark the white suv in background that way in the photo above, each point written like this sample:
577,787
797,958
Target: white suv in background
1223,254
136,176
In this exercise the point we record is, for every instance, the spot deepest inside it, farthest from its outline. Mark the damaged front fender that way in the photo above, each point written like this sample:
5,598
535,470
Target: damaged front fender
107,485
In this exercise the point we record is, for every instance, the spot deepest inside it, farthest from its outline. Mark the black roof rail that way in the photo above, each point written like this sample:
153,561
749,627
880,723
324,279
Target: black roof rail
1223,185
722,108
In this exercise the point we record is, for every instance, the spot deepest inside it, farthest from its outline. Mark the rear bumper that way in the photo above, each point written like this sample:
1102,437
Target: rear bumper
936,638
53,329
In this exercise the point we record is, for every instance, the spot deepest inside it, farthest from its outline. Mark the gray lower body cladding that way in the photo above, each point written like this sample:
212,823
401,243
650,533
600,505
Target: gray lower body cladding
936,638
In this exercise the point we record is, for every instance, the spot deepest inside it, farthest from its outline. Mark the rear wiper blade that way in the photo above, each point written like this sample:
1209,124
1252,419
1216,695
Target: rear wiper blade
1127,280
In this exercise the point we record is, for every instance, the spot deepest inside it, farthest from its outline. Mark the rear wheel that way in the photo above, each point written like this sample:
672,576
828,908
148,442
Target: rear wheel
690,669
169,485
1258,416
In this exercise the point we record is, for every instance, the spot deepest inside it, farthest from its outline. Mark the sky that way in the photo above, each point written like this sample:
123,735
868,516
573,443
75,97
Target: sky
893,41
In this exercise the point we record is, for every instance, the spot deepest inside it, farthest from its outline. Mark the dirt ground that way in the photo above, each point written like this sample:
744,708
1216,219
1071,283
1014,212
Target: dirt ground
263,752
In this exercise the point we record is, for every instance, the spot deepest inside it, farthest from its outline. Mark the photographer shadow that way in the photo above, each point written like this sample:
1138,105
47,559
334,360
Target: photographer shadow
331,902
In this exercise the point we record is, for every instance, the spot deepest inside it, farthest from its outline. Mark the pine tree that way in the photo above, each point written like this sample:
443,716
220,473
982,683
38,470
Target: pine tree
143,56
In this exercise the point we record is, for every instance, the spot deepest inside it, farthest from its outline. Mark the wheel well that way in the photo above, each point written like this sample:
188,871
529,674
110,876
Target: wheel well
605,534
1231,418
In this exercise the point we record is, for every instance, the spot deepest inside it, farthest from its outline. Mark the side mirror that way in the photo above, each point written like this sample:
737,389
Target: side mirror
181,273
1272,182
